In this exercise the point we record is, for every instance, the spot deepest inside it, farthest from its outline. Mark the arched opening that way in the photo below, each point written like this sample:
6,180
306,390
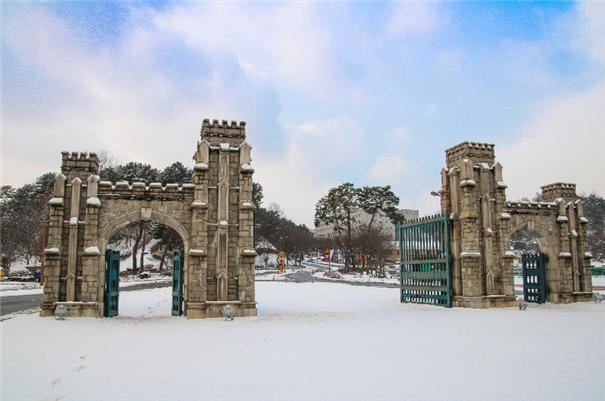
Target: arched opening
529,265
148,280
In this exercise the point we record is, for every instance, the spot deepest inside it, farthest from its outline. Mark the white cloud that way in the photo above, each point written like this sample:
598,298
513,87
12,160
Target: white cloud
115,96
116,99
413,19
563,142
112,99
406,179
591,23
285,41
392,170
317,152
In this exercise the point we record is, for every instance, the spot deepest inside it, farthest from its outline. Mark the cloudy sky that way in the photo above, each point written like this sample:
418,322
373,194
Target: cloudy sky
365,92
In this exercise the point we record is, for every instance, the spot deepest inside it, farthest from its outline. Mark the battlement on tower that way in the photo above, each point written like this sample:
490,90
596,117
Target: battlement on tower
476,152
216,132
559,190
79,164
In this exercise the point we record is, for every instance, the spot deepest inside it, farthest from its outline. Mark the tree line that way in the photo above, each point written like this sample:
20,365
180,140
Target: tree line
24,213
272,226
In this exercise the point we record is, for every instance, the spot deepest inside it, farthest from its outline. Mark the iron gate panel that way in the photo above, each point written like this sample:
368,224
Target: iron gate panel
177,284
112,283
534,277
424,250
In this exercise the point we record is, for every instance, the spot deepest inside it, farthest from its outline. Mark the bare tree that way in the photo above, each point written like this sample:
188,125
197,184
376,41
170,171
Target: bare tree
373,245
106,160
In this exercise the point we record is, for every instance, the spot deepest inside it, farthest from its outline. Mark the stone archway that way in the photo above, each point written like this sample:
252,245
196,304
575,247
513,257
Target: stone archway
213,215
118,222
545,242
133,216
473,192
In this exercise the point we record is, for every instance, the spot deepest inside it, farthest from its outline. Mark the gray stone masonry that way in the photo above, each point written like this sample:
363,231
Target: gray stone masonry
213,215
473,192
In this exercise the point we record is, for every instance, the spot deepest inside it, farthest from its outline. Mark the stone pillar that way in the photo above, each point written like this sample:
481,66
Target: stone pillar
583,252
504,256
246,234
66,264
52,253
474,195
222,241
470,255
575,277
573,248
72,251
91,255
222,223
197,274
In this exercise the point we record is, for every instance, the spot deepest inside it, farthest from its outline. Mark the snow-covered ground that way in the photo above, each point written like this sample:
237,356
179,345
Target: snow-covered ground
311,341
359,278
130,281
9,288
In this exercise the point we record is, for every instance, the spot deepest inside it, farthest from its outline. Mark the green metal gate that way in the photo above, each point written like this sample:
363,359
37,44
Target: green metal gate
112,283
177,284
424,249
534,277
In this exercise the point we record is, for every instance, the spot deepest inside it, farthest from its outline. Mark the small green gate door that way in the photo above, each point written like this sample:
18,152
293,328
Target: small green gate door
177,284
112,283
534,277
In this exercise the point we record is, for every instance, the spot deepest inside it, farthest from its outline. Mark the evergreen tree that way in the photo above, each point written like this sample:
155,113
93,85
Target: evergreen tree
131,172
376,200
337,209
176,173
257,194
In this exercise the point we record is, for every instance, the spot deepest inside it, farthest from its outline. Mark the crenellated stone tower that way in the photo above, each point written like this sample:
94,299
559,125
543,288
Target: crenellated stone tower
213,215
224,212
474,193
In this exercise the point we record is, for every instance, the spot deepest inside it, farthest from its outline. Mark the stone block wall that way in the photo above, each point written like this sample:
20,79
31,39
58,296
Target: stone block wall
213,215
473,192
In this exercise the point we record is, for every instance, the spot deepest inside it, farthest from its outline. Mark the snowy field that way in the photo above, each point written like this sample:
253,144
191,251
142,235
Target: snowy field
8,288
311,341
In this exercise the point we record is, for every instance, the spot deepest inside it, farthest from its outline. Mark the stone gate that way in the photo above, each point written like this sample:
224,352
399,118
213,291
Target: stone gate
213,215
474,193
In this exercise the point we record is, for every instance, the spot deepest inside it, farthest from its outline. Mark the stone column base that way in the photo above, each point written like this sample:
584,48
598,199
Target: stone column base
486,301
74,309
201,310
569,298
